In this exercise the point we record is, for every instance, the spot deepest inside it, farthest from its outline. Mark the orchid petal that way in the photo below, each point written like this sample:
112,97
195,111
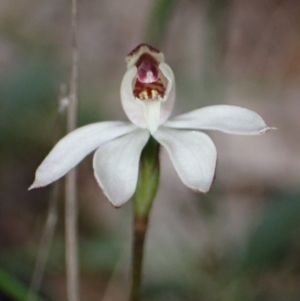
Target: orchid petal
193,155
116,166
133,107
71,149
168,102
225,118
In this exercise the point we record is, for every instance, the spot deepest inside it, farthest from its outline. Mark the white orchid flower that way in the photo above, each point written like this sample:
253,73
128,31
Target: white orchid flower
148,95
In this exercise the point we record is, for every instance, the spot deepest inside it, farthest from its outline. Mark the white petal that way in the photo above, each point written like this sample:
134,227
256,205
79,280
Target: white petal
116,166
168,103
193,155
225,118
132,107
71,149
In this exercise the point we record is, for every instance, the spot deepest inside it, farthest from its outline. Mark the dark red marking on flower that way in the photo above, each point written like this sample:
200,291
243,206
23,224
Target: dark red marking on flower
149,91
148,84
147,69
137,49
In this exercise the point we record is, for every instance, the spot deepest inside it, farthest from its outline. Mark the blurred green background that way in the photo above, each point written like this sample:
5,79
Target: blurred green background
238,242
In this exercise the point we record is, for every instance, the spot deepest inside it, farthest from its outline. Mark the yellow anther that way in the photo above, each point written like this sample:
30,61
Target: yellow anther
143,95
154,94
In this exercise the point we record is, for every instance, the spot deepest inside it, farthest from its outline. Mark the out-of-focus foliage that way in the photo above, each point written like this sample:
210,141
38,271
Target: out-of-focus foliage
26,92
238,242
272,239
13,288
158,21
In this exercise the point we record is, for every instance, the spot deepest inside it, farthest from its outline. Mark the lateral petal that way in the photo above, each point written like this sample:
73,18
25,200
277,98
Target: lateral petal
225,118
116,166
133,107
168,103
193,155
71,149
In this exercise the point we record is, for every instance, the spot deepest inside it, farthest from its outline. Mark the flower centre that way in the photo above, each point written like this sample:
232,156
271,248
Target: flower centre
148,85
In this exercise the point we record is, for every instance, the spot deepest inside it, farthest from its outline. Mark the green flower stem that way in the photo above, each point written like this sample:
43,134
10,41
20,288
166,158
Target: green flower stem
142,202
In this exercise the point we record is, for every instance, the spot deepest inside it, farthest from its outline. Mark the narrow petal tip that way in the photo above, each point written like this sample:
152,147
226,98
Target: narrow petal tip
34,185
268,129
31,187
